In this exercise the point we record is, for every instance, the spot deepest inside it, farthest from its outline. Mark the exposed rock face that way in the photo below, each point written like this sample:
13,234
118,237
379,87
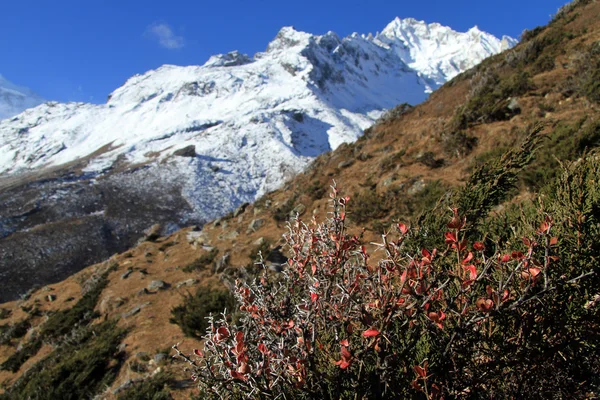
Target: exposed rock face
188,151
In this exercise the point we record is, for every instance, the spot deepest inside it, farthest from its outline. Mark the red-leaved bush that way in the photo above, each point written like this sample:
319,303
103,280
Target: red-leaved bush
342,322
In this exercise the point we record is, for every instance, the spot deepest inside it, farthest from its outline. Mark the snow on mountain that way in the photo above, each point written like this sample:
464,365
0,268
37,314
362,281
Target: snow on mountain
437,52
15,99
253,121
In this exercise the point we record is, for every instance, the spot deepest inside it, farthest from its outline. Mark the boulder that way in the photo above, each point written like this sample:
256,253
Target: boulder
158,285
188,151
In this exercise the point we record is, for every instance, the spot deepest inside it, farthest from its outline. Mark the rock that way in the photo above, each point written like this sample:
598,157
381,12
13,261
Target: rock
189,282
188,151
387,181
514,105
158,285
345,164
256,211
126,385
142,355
217,222
256,224
298,210
259,241
160,357
197,238
151,234
417,187
122,347
240,209
214,168
119,301
222,262
142,292
126,274
230,235
51,297
134,310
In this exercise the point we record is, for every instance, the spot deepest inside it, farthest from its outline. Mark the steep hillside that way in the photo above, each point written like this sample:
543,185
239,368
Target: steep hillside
183,145
397,171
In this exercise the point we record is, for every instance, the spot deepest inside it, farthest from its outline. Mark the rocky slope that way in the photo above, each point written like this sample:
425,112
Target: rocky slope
183,145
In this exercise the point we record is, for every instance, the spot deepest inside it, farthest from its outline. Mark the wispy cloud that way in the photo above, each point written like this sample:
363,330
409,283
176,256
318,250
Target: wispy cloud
165,36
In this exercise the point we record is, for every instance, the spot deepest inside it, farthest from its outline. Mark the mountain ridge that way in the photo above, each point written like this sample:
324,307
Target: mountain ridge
15,99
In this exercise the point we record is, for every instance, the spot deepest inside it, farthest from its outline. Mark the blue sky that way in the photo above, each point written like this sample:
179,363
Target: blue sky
81,50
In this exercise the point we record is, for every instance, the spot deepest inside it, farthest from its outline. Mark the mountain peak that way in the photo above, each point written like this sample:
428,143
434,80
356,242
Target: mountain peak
14,99
231,59
288,37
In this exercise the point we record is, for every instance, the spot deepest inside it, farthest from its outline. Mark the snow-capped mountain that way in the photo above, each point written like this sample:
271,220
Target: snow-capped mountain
15,99
253,121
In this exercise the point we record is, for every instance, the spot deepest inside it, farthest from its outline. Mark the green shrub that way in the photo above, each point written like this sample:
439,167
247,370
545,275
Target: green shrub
59,324
154,388
18,358
391,161
282,213
14,331
315,190
80,314
202,262
77,369
518,318
458,144
490,99
192,313
566,142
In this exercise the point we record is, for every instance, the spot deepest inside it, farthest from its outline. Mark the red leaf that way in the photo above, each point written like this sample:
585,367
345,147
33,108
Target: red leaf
237,375
467,259
198,353
222,334
422,372
478,246
244,368
554,241
534,272
314,297
450,237
371,333
262,348
239,337
472,272
484,305
345,353
505,258
403,228
314,269
426,253
343,364
345,343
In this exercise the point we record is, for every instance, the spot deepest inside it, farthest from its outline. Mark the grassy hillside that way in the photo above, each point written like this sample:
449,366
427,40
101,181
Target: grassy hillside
497,142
